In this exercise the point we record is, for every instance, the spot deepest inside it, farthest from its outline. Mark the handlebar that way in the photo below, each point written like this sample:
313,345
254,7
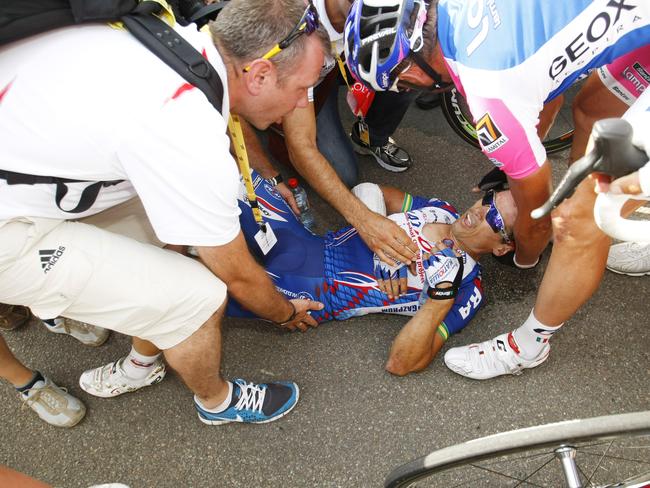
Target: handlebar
607,213
613,154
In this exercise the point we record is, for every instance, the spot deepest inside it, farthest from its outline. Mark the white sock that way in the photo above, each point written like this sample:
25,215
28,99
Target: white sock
138,366
219,408
532,336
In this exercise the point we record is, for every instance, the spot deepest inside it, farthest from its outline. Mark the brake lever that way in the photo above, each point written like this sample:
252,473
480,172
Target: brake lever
613,154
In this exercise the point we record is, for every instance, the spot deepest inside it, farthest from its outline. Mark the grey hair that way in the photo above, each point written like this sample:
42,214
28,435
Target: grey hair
430,30
247,29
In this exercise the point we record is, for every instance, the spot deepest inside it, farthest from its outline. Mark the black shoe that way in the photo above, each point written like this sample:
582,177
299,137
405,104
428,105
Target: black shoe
389,156
427,100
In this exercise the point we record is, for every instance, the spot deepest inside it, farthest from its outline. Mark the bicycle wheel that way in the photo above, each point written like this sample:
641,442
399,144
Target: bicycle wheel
456,112
609,451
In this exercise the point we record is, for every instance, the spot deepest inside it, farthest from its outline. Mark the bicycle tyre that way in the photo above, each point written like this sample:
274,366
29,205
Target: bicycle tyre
541,436
458,117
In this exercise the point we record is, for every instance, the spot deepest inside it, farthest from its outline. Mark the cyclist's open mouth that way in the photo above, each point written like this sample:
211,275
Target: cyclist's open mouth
468,220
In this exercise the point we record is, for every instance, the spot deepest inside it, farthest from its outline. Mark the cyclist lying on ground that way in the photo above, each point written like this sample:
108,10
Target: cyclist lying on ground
338,270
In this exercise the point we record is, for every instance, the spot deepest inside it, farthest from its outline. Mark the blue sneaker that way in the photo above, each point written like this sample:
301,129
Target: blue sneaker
253,403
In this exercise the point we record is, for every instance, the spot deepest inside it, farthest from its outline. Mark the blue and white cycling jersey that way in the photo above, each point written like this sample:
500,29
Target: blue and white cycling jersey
508,57
338,269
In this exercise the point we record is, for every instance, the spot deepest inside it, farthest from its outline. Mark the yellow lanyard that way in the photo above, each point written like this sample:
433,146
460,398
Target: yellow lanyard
242,160
339,61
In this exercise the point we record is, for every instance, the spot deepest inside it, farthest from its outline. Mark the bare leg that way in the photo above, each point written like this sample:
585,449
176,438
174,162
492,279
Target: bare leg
577,261
11,369
580,248
197,360
592,103
145,348
9,477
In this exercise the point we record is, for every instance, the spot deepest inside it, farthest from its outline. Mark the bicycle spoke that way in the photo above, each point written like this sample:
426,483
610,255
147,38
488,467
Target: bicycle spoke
584,475
617,458
600,461
535,472
505,475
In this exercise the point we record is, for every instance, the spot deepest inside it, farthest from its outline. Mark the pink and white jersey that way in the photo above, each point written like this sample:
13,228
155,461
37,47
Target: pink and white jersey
509,57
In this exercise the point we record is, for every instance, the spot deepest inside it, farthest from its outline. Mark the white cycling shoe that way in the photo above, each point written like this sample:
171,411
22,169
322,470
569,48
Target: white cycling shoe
491,358
110,380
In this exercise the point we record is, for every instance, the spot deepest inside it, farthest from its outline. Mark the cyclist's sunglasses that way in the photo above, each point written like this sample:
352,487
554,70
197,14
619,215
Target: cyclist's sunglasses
494,217
307,24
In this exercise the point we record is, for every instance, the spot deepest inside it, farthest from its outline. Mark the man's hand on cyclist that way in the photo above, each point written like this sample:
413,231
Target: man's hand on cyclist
386,239
300,319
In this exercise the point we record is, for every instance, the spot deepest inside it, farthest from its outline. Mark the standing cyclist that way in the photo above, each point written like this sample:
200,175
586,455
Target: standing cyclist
508,59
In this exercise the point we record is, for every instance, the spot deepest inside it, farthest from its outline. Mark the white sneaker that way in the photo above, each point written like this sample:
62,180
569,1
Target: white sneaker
630,258
53,404
87,334
110,380
491,358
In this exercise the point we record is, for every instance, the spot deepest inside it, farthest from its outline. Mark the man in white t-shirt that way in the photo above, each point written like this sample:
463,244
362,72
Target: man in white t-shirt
91,103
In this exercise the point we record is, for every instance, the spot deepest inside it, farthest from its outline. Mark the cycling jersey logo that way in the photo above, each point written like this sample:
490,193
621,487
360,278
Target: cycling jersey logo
599,27
642,72
489,134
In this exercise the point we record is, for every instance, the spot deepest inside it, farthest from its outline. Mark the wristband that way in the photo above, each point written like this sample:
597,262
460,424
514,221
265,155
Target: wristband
275,180
524,266
291,317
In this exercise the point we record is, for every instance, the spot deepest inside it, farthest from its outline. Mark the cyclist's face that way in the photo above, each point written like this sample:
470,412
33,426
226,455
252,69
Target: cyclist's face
280,97
473,229
412,77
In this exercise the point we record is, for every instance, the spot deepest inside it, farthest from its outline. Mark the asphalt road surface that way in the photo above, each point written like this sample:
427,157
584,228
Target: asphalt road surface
354,422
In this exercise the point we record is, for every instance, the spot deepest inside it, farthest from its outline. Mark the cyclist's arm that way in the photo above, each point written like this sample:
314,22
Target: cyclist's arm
418,342
532,236
382,236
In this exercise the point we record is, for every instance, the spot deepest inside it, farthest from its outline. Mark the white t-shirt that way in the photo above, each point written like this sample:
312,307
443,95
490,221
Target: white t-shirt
91,103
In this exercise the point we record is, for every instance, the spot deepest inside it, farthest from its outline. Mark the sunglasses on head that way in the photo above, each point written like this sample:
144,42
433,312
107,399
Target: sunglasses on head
494,217
307,24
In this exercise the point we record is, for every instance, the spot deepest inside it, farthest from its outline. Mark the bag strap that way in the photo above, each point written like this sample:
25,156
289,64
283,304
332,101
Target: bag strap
88,194
175,51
